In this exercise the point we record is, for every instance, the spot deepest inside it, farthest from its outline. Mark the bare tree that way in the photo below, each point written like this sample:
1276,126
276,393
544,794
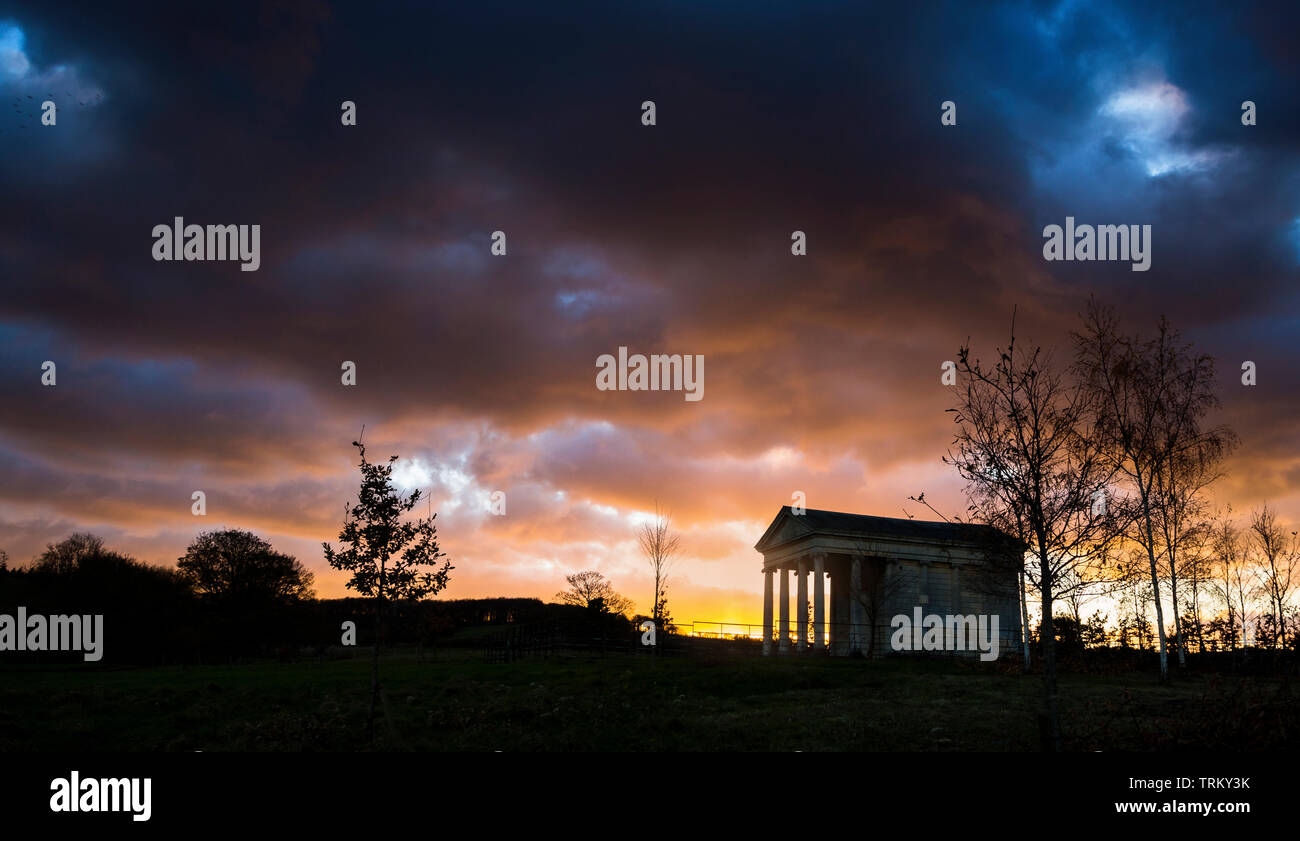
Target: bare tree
589,589
1196,569
1132,591
660,546
1026,449
1190,464
1277,555
1180,480
1077,591
1152,397
64,556
1232,582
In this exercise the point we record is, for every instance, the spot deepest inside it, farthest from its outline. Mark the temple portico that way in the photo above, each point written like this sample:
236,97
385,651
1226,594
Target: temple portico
863,569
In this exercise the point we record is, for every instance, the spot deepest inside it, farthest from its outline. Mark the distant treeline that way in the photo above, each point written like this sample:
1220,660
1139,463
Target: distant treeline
229,609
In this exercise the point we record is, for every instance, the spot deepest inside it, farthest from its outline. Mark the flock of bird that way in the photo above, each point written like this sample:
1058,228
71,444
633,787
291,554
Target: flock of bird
29,110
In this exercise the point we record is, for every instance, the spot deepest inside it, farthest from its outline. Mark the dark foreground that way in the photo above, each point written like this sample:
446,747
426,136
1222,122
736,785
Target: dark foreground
454,701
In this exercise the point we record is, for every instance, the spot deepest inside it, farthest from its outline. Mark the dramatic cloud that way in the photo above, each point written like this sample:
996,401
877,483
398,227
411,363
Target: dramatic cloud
821,372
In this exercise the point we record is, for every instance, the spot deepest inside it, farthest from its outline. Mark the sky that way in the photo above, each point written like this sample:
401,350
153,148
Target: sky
822,372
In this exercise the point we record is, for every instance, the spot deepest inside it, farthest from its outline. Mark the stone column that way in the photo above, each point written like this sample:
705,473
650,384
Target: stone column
830,609
840,609
801,630
954,595
783,641
767,611
819,602
857,616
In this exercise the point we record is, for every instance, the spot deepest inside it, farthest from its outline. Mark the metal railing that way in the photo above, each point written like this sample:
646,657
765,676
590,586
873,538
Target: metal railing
745,630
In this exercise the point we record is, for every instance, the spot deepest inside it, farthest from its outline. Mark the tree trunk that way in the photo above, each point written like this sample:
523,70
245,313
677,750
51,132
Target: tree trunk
1024,621
374,674
1155,584
1178,622
1241,615
1170,539
374,659
1196,617
1279,625
1049,725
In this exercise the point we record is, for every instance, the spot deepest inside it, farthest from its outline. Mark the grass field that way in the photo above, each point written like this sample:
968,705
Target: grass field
456,702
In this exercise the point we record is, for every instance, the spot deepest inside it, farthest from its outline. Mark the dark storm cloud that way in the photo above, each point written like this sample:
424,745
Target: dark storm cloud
821,117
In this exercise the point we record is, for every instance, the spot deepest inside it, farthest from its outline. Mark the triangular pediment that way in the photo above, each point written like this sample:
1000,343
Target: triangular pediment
784,528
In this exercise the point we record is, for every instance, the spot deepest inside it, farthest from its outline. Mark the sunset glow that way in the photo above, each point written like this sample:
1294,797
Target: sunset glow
480,371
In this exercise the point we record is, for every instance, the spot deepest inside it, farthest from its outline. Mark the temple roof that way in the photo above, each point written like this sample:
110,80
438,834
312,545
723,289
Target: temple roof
788,526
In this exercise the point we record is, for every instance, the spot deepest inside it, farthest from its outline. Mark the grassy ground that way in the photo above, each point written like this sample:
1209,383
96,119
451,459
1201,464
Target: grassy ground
456,702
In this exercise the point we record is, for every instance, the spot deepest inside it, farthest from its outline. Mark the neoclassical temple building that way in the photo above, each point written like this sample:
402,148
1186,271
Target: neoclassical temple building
878,568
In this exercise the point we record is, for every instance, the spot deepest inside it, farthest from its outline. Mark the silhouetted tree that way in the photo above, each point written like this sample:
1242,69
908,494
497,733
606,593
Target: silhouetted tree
1229,583
66,555
1094,630
1196,569
389,556
1030,457
1152,397
660,546
663,616
1278,553
239,566
588,587
147,609
1187,471
1069,634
